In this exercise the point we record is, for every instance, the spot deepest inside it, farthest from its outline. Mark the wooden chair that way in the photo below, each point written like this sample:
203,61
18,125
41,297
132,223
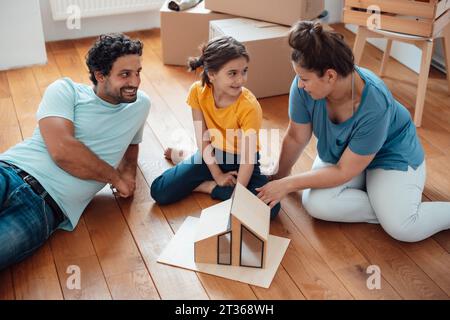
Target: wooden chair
419,22
424,43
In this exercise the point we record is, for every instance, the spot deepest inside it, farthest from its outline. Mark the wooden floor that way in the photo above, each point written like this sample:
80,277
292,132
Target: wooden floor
117,242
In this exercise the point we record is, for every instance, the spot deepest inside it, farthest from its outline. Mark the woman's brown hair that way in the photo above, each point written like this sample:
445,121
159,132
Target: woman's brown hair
317,50
215,54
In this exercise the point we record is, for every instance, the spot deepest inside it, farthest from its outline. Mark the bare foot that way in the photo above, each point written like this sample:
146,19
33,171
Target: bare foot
206,187
175,155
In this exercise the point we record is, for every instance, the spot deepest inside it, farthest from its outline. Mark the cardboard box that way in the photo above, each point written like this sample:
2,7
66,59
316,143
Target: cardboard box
285,12
270,68
182,32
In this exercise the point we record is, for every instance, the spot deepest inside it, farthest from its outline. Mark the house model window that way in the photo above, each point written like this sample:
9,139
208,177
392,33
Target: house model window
234,232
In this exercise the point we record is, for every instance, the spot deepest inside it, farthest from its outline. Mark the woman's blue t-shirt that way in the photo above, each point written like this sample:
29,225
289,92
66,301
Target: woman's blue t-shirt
380,125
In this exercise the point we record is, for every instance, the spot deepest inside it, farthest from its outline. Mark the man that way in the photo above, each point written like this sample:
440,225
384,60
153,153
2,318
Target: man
86,137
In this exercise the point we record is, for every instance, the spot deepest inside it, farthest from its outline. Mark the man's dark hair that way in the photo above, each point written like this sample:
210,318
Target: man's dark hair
105,51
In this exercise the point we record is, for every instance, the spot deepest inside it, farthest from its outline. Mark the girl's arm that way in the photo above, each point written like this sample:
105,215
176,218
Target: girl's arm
248,152
204,145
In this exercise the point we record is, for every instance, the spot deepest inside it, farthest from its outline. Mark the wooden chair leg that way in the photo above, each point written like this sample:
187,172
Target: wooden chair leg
386,55
427,52
446,46
360,41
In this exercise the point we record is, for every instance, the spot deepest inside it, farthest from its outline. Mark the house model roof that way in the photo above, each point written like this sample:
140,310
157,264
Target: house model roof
244,206
251,211
214,220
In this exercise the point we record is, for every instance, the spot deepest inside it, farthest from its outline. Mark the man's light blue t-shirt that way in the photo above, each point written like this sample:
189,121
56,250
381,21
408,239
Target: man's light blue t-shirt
380,125
106,129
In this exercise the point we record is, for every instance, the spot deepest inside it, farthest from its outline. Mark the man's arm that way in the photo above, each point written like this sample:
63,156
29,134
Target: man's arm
128,166
74,157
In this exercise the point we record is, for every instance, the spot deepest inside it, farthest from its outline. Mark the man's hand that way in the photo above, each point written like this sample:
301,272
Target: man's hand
129,179
122,188
127,172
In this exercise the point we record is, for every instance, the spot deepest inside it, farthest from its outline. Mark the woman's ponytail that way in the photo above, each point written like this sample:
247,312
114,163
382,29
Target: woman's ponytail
318,50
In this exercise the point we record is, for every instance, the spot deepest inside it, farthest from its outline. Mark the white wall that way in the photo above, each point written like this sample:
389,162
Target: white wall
57,30
22,38
334,8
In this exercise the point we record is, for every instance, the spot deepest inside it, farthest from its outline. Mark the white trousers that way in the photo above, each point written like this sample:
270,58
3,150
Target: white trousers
391,198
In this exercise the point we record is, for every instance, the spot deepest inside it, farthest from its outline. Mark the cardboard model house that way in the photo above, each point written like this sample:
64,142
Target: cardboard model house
234,232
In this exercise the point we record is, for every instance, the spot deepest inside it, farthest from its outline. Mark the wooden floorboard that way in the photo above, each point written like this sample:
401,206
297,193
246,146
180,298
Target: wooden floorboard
217,288
152,233
64,251
26,97
9,129
282,287
75,249
4,86
341,255
36,277
10,135
151,230
432,259
119,256
6,285
408,279
306,267
118,241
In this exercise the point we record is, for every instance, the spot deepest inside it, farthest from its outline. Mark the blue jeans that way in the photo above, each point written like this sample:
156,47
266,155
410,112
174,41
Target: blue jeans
178,182
26,220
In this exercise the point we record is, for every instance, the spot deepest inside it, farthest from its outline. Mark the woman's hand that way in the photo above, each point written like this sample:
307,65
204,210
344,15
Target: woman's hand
226,179
273,192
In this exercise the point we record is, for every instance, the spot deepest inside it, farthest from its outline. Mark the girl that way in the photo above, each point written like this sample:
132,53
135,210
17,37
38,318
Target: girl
370,165
227,118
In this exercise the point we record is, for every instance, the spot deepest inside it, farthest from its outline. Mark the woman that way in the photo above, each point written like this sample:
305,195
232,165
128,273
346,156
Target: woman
370,165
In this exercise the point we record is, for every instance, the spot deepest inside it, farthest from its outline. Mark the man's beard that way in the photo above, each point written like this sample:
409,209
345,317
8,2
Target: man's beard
126,97
123,95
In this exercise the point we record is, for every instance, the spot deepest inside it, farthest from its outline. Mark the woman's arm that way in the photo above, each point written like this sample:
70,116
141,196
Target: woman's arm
349,166
295,140
207,151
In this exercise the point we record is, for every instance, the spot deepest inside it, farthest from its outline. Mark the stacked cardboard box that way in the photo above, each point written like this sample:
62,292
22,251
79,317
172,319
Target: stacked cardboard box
182,32
270,68
285,12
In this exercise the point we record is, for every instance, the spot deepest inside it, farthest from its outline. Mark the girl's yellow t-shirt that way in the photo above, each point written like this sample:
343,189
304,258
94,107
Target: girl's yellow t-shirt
228,125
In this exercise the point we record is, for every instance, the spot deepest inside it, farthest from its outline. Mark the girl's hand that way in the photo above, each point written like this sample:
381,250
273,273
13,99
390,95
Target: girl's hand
273,192
226,179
